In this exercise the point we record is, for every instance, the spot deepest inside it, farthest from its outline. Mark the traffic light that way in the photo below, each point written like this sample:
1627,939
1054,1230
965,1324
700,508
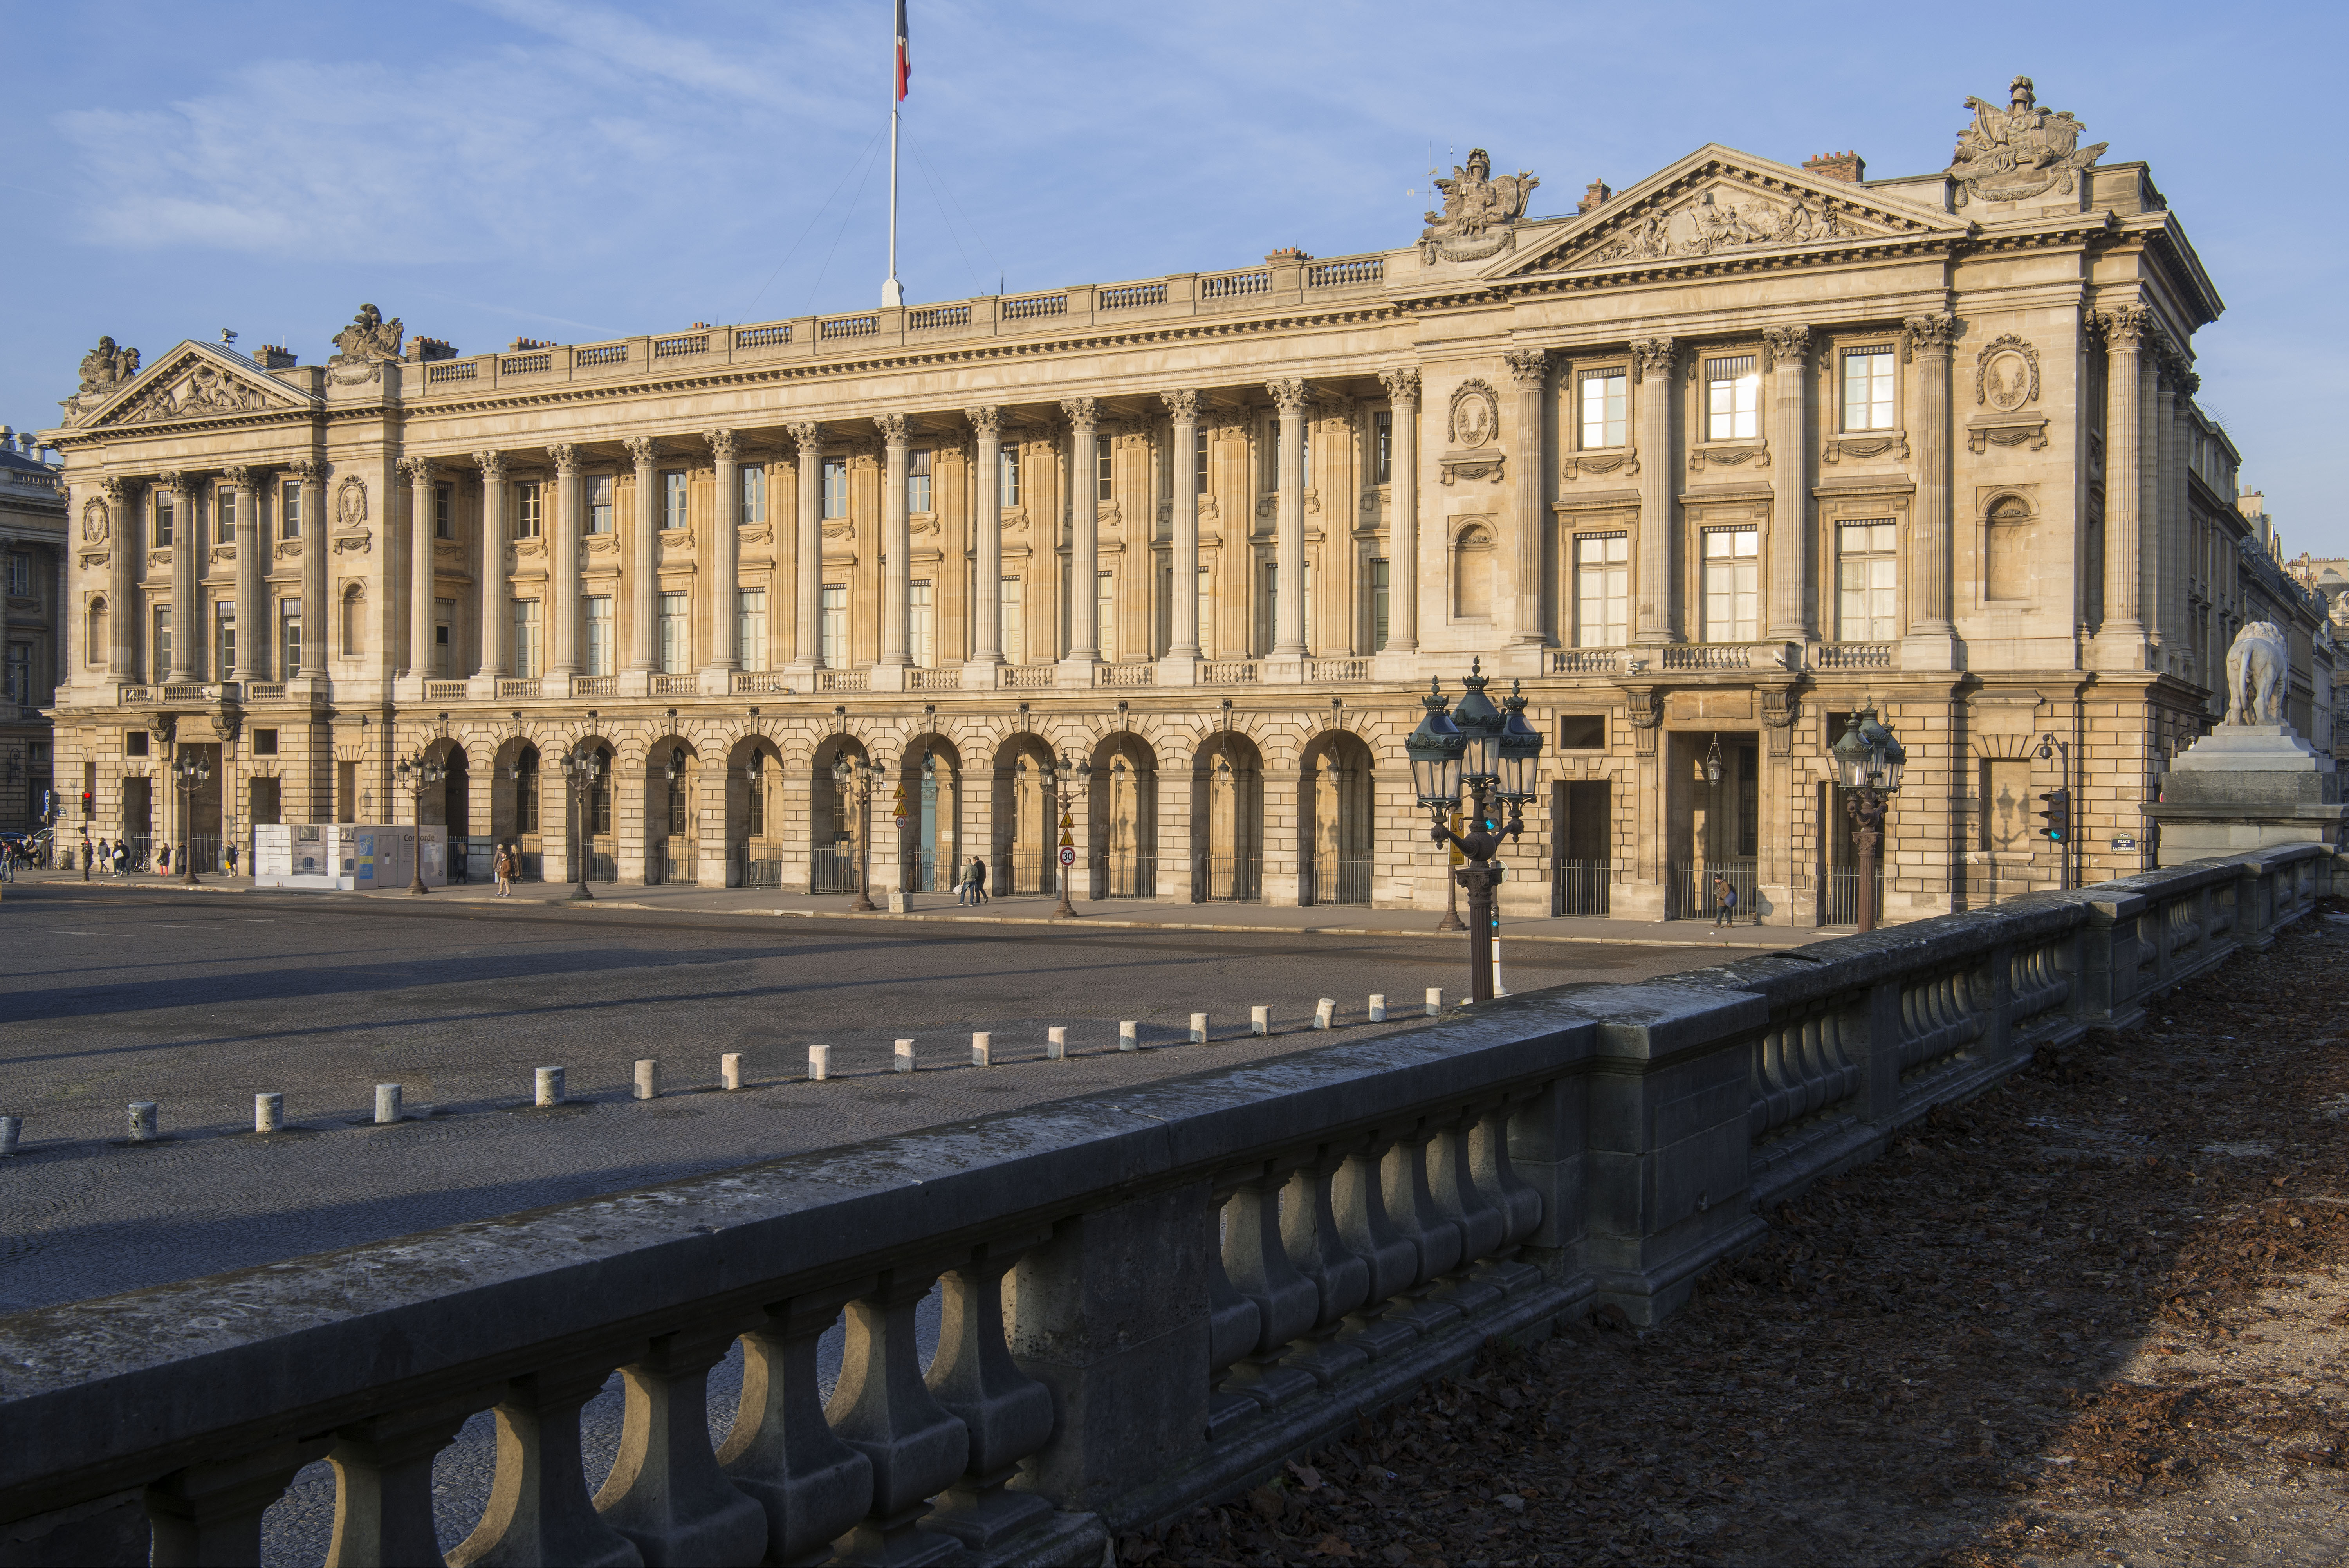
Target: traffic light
2057,815
86,804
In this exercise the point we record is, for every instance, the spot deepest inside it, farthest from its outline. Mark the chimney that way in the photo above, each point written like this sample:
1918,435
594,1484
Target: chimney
1597,193
270,357
1288,253
1845,166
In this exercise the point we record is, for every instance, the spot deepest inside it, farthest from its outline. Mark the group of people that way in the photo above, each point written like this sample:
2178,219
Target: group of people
972,888
115,858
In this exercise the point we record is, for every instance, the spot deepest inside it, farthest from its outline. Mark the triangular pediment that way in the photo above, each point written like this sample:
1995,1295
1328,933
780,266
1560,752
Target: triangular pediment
197,381
1718,201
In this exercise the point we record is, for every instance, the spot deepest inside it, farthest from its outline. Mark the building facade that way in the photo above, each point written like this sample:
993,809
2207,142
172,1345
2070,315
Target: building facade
1704,466
33,573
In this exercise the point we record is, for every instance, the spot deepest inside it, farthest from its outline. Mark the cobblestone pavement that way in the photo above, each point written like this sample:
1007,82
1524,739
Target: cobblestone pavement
200,1002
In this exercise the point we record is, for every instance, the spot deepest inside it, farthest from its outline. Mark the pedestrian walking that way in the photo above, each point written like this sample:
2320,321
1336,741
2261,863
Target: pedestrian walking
979,878
228,857
967,890
502,868
121,858
163,861
1724,902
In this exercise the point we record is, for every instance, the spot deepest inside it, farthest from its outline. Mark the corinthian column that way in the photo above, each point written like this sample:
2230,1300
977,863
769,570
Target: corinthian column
1402,510
1084,530
1288,521
1183,484
896,544
1656,593
2162,562
987,504
807,555
562,564
1530,373
724,558
496,618
251,617
2177,536
122,549
643,559
315,610
187,550
2120,640
1790,468
418,472
1929,641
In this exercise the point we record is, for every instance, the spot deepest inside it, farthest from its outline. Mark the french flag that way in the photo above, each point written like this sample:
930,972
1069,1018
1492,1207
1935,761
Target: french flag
904,58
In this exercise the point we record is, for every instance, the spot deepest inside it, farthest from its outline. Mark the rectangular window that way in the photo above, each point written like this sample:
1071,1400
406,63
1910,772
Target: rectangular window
347,792
223,640
264,742
530,509
1206,612
1867,582
835,487
18,681
134,742
263,800
444,639
599,503
921,625
1104,470
751,628
754,494
1381,570
676,635
289,638
672,498
162,522
599,634
832,626
1009,468
20,574
1868,389
917,481
1014,628
289,510
526,652
1602,590
352,601
1732,589
1105,612
160,647
1202,463
1733,398
1382,447
1606,408
444,512
225,501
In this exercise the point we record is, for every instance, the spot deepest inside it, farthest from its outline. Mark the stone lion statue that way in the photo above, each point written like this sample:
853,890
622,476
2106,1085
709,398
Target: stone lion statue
2257,663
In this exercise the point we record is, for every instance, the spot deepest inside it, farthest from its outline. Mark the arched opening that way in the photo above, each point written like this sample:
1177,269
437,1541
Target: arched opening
447,803
516,782
1472,574
1227,821
589,842
353,620
837,820
929,847
1123,818
1027,835
672,782
754,816
2006,569
1334,820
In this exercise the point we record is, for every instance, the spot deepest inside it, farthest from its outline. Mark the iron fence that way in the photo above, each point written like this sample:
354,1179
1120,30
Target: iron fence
762,873
1337,880
662,867
1128,875
1691,894
1581,887
1839,899
1227,879
833,869
1026,871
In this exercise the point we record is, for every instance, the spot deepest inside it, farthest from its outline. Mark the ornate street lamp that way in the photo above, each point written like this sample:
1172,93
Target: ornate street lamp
1496,758
1868,762
583,767
856,776
191,770
416,775
1061,785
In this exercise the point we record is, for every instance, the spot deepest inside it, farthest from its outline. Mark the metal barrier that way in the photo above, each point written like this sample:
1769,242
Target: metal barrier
833,869
1689,894
1581,886
1127,876
1024,871
1337,880
1227,880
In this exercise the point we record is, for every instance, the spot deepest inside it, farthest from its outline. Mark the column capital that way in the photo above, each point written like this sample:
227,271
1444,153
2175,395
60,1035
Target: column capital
1081,412
116,488
1528,367
566,458
309,470
1288,396
492,465
642,450
241,476
986,421
2188,383
1402,384
891,428
1183,405
1792,343
721,445
807,435
177,480
416,469
2124,326
1654,356
1930,332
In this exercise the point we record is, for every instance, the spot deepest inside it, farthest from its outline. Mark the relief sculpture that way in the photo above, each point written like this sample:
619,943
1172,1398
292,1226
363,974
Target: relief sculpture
1479,212
2013,153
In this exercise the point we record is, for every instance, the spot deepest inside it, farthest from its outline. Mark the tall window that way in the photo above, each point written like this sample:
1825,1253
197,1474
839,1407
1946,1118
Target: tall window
835,487
526,655
353,600
1207,610
289,510
1010,468
921,625
224,500
751,628
1105,612
1868,386
444,638
1381,577
832,626
525,777
1104,469
1733,398
20,574
223,640
676,635
1606,408
599,634
16,685
1382,447
1202,463
599,503
1733,593
1867,582
754,493
159,647
1602,590
444,508
530,509
1015,627
162,522
289,638
672,498
918,481
1272,605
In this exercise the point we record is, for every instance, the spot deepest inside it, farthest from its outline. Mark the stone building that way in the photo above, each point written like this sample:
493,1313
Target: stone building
1706,465
32,625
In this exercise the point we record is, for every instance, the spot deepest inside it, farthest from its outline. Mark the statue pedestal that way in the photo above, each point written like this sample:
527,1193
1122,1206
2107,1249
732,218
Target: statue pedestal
2244,788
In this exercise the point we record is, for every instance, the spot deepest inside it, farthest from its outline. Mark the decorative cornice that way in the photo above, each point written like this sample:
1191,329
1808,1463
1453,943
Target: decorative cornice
1652,357
492,465
1288,396
416,469
1790,345
2124,326
239,476
566,458
807,436
309,470
891,428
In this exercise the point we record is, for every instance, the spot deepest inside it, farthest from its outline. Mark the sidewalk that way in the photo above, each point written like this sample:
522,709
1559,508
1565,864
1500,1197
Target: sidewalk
1036,909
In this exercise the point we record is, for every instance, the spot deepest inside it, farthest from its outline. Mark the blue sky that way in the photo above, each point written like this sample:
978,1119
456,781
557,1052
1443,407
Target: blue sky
548,168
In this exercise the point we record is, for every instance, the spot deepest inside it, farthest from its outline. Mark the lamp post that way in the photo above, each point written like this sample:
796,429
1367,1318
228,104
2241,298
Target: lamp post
1868,761
416,775
856,777
583,767
1497,759
1060,783
191,770
2049,747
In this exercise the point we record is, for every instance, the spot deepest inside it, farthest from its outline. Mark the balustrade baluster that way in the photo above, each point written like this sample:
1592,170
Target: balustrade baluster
210,1513
383,1485
538,1510
883,1410
1234,1325
1008,1413
1497,1178
666,1491
1258,1267
782,1451
1389,1257
1342,1282
1435,1234
1452,1178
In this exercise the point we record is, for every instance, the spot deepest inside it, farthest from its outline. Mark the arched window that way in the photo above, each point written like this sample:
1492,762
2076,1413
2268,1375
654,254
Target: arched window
1472,574
95,633
525,782
353,612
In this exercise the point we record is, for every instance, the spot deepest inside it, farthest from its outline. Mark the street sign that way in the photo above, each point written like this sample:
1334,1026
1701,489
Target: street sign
901,819
1068,856
1067,821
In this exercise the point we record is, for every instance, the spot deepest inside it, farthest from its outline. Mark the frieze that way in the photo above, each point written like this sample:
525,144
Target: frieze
191,388
1708,223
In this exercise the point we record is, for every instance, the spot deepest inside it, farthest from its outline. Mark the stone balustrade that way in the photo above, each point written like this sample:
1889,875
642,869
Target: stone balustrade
1150,1297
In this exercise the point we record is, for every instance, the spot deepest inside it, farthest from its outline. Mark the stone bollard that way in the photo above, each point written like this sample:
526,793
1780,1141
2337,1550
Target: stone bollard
1056,1044
387,1104
1378,1007
648,1078
142,1121
1325,1012
819,1063
549,1091
1198,1029
1434,1000
904,1057
11,1129
729,1070
268,1113
1129,1035
982,1048
1259,1020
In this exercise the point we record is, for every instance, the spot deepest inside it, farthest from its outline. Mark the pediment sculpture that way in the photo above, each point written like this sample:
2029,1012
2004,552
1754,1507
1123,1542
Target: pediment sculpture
104,371
1480,211
1723,218
190,389
362,348
2013,153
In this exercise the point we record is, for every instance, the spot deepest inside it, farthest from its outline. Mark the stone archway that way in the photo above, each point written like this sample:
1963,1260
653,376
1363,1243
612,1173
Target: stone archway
929,847
1336,827
1026,828
1227,820
754,814
672,809
1123,818
518,781
836,828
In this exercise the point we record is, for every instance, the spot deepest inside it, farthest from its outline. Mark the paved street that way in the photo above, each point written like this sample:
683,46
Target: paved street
200,1001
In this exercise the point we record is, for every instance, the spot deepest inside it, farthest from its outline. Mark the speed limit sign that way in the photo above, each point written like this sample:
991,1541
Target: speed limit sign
1068,856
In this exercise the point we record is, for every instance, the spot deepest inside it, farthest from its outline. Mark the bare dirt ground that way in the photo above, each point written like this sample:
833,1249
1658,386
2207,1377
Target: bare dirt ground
2096,1316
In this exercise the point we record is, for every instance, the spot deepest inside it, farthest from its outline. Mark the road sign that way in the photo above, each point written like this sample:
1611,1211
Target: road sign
901,819
1067,821
1068,856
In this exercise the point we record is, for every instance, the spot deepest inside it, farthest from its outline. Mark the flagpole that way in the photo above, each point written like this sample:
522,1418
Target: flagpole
892,292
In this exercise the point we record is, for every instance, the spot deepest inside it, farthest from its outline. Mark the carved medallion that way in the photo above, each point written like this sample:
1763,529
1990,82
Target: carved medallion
95,525
351,501
1476,414
2006,374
